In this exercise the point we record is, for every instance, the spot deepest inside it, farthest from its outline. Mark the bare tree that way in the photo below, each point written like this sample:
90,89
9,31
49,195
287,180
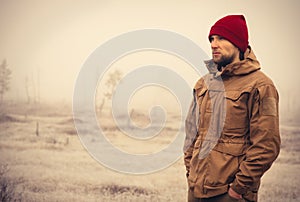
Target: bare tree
34,90
27,90
38,86
102,105
111,82
113,79
32,87
5,73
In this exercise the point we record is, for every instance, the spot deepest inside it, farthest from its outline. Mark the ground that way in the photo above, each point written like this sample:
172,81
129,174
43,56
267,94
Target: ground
42,159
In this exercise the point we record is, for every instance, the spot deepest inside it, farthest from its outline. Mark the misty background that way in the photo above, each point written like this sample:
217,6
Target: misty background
45,43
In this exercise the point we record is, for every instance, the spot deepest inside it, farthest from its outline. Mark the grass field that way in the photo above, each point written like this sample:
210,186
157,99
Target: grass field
51,164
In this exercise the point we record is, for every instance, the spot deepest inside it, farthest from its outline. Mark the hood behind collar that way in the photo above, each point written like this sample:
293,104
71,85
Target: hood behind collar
246,66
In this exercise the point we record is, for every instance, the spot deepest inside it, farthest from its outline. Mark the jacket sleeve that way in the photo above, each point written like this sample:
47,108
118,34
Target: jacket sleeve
191,133
264,139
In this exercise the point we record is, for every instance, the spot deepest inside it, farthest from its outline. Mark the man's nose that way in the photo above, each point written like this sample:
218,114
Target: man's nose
214,44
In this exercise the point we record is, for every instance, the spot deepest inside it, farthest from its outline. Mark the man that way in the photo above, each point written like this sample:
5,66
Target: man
232,129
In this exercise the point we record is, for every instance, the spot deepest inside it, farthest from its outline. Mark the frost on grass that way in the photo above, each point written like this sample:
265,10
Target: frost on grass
5,118
114,192
7,186
113,189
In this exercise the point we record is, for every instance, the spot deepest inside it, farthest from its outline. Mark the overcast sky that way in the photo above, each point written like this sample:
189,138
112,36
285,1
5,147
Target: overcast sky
53,39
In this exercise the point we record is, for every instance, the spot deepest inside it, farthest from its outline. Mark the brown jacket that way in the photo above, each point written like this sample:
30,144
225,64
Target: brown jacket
232,130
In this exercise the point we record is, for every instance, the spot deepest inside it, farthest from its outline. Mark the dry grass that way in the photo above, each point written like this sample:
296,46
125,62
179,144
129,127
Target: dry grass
54,166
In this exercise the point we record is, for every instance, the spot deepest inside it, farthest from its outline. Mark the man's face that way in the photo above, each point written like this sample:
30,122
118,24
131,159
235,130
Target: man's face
223,51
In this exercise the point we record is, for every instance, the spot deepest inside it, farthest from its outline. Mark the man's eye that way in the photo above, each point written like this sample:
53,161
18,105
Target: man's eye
221,38
211,39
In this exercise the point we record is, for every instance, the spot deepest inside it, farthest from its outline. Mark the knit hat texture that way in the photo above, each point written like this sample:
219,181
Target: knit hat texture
234,29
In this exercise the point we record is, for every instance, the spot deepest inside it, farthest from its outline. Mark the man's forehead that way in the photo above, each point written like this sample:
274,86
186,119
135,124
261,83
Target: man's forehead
215,35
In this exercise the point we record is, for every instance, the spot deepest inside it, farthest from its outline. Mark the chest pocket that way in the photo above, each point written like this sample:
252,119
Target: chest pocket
200,94
204,106
236,111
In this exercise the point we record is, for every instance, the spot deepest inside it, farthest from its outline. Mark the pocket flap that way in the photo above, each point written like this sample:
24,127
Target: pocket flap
234,95
201,92
231,148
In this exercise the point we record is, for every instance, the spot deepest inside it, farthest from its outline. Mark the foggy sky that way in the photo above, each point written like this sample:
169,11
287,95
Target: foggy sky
48,41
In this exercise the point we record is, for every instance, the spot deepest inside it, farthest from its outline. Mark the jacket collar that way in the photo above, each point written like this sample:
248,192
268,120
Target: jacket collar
246,66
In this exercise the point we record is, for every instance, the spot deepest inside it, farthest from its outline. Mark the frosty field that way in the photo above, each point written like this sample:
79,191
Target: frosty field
51,164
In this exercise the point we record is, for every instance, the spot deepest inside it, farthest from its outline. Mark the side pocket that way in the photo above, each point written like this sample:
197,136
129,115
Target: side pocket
223,164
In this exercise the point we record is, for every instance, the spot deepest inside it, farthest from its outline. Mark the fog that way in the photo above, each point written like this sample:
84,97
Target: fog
46,42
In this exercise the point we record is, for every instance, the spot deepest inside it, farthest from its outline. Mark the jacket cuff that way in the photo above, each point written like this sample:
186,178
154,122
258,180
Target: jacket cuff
238,188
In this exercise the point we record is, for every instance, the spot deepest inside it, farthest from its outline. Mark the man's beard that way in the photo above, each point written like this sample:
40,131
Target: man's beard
224,61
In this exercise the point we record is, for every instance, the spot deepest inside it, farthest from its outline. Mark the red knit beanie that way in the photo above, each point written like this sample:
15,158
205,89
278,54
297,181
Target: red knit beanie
234,29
